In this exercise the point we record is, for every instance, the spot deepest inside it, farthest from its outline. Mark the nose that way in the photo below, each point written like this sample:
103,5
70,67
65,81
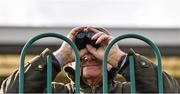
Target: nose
86,58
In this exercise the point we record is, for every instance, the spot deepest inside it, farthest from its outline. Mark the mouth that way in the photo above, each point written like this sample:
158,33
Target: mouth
89,65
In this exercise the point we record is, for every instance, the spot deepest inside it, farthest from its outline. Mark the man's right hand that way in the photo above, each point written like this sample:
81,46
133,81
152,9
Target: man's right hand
66,51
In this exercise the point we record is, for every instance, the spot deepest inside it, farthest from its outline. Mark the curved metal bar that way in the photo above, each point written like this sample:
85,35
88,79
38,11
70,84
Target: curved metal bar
148,41
29,43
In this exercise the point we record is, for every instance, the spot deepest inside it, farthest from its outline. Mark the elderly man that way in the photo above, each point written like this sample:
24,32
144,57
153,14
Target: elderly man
91,68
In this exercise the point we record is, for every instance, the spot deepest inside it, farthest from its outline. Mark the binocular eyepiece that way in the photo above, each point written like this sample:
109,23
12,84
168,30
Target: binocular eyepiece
84,38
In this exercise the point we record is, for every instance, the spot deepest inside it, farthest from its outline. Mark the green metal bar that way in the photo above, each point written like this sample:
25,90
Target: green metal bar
133,88
29,43
49,73
148,41
105,76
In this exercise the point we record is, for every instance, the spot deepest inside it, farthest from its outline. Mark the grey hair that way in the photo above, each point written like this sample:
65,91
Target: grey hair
102,30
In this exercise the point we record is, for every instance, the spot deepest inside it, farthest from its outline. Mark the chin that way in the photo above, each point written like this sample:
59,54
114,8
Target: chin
91,75
92,71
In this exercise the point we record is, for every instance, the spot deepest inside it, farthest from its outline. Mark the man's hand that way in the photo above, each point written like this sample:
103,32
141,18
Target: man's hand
104,39
66,50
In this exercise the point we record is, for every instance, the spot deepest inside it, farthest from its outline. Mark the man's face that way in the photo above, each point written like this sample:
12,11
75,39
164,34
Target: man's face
90,66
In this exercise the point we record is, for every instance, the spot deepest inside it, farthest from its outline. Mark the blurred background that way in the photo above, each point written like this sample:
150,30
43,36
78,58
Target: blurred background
158,20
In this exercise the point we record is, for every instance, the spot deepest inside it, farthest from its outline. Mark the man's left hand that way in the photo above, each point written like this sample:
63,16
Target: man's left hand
104,39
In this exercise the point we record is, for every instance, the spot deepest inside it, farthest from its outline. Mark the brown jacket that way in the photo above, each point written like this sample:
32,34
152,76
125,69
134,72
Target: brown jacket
35,78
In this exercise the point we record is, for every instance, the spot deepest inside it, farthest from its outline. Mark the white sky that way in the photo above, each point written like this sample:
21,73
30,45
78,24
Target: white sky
113,13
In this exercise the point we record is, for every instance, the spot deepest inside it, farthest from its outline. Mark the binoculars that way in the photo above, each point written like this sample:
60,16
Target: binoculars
84,38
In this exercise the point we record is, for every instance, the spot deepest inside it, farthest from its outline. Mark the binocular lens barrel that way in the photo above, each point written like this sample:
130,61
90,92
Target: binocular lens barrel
89,34
84,38
80,35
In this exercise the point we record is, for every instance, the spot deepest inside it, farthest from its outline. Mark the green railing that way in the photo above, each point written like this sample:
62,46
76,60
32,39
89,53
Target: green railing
77,59
49,61
131,61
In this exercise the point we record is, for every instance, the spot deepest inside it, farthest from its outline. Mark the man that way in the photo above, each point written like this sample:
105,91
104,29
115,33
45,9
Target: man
91,69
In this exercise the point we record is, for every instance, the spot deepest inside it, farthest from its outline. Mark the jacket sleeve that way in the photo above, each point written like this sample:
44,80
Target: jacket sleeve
35,75
146,77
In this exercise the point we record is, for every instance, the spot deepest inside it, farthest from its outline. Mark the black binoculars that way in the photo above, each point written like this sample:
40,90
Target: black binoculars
84,38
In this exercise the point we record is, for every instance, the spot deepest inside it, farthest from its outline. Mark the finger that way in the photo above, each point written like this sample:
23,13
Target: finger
101,39
97,31
74,31
92,50
83,52
97,35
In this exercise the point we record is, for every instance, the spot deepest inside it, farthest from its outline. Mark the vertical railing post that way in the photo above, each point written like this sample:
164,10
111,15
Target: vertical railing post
132,73
49,73
132,77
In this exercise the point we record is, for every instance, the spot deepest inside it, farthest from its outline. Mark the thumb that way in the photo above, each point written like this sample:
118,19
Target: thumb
91,49
83,52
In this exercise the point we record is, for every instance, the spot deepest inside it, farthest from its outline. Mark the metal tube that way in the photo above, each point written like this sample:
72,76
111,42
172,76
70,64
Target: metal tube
132,73
49,73
148,41
29,43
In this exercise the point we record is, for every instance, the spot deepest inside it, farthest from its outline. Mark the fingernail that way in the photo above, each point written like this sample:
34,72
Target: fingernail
86,29
88,46
92,38
97,42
